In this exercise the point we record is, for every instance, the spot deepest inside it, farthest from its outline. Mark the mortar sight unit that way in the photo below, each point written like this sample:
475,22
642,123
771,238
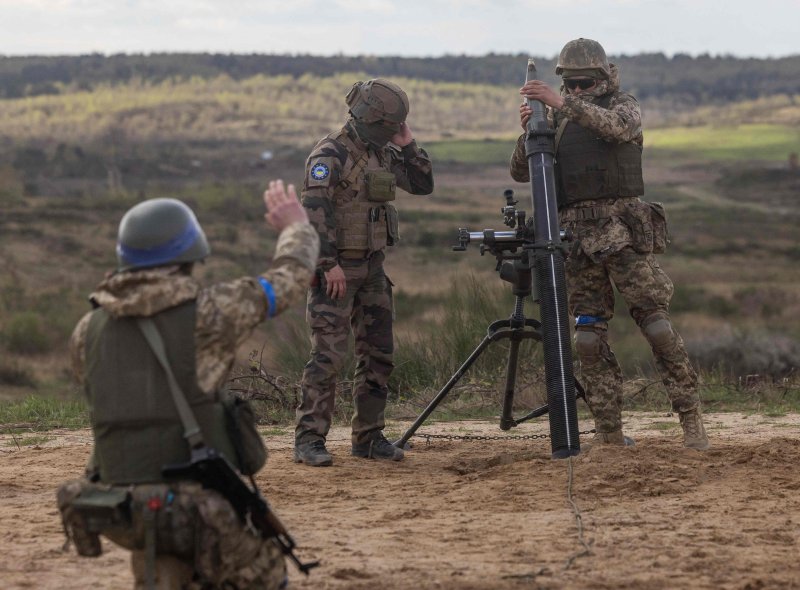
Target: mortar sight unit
511,247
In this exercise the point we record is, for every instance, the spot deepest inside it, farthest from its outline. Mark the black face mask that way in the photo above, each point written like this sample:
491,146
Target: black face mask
376,134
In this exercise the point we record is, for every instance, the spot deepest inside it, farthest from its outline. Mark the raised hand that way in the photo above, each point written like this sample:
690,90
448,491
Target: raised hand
283,208
403,137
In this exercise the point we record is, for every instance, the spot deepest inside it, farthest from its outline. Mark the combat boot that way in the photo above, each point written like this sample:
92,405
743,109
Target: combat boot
609,438
378,448
312,453
694,433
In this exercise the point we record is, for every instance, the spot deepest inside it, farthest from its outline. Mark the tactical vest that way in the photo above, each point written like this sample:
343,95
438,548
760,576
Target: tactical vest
136,426
361,223
588,167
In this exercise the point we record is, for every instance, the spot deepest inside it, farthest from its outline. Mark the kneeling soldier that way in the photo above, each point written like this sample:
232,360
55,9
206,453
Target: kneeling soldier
181,535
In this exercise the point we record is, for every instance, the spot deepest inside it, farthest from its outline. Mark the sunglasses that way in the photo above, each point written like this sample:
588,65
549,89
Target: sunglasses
582,83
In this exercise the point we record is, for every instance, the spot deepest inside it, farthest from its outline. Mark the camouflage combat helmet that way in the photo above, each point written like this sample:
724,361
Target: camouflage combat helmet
377,100
158,232
580,55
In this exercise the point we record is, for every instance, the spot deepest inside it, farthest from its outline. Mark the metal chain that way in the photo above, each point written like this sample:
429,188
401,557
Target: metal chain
428,437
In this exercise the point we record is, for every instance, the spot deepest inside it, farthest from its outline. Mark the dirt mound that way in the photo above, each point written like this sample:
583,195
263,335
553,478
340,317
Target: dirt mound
467,514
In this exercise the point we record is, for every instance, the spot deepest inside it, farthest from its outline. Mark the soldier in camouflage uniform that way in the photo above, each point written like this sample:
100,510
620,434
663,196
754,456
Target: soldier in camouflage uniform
199,540
599,175
351,176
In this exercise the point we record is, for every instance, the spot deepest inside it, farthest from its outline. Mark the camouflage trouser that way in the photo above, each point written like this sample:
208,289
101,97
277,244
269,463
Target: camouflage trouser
366,309
647,291
200,541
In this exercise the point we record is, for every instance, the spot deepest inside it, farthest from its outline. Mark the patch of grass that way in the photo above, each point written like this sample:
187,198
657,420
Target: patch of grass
664,425
720,393
44,413
742,142
407,305
275,431
475,152
392,434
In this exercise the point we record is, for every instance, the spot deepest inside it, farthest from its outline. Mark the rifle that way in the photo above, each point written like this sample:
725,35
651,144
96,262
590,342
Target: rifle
214,472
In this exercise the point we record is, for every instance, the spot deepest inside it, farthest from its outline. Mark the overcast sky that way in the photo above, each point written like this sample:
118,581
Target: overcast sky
766,28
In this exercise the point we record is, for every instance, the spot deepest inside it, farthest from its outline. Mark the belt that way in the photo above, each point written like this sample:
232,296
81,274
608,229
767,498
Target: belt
354,254
578,213
582,213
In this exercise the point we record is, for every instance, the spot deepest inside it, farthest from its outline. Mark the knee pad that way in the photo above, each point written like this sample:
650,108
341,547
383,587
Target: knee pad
587,345
660,335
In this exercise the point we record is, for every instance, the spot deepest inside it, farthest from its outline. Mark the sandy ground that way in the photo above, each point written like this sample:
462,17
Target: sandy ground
482,514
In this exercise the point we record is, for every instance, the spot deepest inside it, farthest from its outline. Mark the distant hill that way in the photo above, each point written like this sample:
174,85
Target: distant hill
681,79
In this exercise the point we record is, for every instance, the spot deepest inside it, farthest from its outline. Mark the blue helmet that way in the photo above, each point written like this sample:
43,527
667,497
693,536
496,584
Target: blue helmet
158,232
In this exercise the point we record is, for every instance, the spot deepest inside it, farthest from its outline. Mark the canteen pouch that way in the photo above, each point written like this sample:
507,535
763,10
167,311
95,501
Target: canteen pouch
637,216
248,445
381,186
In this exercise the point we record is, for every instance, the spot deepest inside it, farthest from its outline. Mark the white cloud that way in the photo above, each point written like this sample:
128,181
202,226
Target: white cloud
207,23
376,6
392,27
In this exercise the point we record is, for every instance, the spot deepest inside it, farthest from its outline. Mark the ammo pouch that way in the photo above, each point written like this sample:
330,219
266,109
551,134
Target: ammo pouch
648,225
124,515
251,455
658,216
380,186
383,227
392,225
88,509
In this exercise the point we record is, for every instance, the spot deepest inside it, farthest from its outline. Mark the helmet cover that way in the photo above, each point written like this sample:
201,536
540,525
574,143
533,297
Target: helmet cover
158,232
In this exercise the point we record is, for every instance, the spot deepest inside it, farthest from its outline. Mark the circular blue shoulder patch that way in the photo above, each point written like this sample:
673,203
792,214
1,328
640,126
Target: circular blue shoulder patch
320,171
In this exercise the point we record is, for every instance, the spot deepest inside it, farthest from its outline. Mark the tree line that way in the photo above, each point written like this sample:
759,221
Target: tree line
680,79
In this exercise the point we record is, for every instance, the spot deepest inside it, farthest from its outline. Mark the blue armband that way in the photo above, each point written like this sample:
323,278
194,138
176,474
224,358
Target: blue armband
270,293
588,320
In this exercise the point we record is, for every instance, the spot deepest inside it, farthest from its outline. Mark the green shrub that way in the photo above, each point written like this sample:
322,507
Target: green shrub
11,373
429,358
740,354
693,298
25,334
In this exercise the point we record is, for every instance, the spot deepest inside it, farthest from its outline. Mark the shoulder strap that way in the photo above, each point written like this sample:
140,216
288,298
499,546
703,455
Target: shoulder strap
358,165
357,168
191,430
562,125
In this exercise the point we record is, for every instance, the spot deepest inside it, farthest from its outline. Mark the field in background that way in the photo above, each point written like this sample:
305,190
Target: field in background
73,163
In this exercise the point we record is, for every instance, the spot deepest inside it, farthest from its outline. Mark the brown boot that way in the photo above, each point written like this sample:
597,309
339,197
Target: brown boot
694,433
609,438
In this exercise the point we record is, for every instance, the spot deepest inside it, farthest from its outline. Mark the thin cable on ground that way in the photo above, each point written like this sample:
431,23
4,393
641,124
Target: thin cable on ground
587,550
